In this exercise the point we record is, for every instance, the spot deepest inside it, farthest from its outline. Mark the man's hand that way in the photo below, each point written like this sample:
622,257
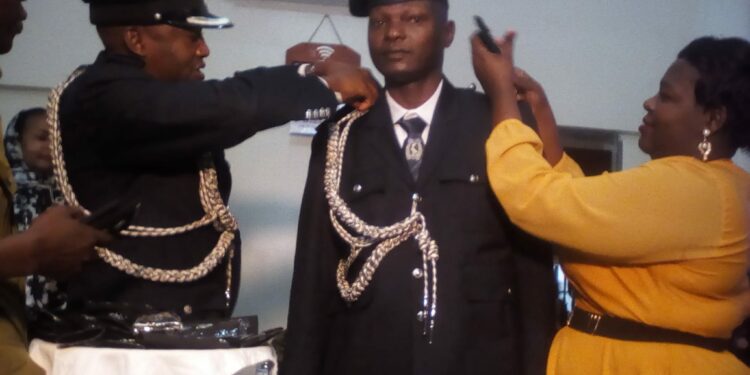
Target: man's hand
60,243
355,85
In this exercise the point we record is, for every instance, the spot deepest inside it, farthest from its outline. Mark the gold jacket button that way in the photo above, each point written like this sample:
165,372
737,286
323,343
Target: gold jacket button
188,309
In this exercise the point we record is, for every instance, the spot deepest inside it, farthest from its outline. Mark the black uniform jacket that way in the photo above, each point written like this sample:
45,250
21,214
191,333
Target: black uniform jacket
126,134
495,311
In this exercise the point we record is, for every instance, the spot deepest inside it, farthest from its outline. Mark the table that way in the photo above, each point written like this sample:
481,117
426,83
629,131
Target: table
110,361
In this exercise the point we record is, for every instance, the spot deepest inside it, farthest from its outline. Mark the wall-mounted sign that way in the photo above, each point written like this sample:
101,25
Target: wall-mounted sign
309,52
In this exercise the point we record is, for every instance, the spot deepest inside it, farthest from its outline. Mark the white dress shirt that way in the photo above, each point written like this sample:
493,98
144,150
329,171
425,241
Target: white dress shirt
426,111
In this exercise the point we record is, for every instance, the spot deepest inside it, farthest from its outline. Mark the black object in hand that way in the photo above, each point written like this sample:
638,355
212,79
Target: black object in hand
486,36
113,216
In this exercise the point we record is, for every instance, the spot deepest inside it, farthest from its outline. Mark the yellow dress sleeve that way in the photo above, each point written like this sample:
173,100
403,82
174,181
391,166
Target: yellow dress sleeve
568,165
664,210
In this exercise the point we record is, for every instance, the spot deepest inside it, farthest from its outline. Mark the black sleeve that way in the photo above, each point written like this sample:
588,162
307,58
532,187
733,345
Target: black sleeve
137,119
536,297
314,290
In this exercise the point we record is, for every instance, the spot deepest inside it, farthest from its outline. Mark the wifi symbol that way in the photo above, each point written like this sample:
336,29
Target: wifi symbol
324,52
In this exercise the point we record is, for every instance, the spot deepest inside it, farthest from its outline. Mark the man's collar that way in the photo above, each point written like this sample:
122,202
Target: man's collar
426,110
119,58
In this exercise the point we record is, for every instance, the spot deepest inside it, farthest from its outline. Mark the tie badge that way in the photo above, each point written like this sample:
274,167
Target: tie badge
414,149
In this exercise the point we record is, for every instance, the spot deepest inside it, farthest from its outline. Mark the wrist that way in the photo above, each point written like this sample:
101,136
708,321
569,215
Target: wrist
17,256
31,242
537,99
504,103
500,90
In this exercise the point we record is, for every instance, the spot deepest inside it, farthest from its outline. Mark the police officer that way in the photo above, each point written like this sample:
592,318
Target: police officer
141,125
422,145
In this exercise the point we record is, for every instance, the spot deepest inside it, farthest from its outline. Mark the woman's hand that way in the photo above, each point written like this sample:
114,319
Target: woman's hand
528,88
532,92
496,74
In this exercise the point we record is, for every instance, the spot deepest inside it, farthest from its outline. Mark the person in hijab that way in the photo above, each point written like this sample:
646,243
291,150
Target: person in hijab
28,153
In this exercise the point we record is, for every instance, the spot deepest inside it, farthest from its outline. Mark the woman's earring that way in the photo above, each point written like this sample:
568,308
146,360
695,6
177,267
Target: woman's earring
705,146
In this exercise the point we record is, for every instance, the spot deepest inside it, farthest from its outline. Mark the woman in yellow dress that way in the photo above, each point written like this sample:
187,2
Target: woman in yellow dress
657,254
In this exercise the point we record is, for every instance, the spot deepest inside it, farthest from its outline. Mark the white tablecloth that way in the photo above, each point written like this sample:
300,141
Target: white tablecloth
106,361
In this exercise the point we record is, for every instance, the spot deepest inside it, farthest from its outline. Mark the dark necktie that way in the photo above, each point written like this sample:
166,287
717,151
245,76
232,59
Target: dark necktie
413,146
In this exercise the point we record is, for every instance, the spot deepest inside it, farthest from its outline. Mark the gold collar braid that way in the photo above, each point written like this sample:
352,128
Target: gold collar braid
216,213
365,235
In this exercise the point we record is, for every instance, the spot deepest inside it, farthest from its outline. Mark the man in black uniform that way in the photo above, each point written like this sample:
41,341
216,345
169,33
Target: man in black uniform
423,144
141,125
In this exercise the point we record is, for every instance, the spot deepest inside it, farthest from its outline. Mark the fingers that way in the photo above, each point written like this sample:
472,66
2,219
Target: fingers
520,73
320,68
477,47
64,211
356,85
102,237
61,242
522,80
476,43
371,90
75,213
507,43
364,105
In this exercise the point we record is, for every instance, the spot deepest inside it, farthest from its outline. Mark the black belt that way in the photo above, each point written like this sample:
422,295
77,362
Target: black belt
629,330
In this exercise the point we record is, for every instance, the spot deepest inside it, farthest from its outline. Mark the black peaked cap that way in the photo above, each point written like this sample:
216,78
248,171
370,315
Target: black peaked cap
361,8
181,13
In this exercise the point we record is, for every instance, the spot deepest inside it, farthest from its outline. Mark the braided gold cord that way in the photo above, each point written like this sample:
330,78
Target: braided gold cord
360,235
216,212
170,275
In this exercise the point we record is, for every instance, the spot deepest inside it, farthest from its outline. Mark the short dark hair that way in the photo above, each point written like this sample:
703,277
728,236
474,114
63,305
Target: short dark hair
440,11
23,117
724,68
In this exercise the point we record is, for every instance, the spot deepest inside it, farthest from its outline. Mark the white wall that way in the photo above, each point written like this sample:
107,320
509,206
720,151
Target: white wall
599,59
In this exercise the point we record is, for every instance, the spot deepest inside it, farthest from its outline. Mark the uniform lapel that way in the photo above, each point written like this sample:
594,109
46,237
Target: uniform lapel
440,130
